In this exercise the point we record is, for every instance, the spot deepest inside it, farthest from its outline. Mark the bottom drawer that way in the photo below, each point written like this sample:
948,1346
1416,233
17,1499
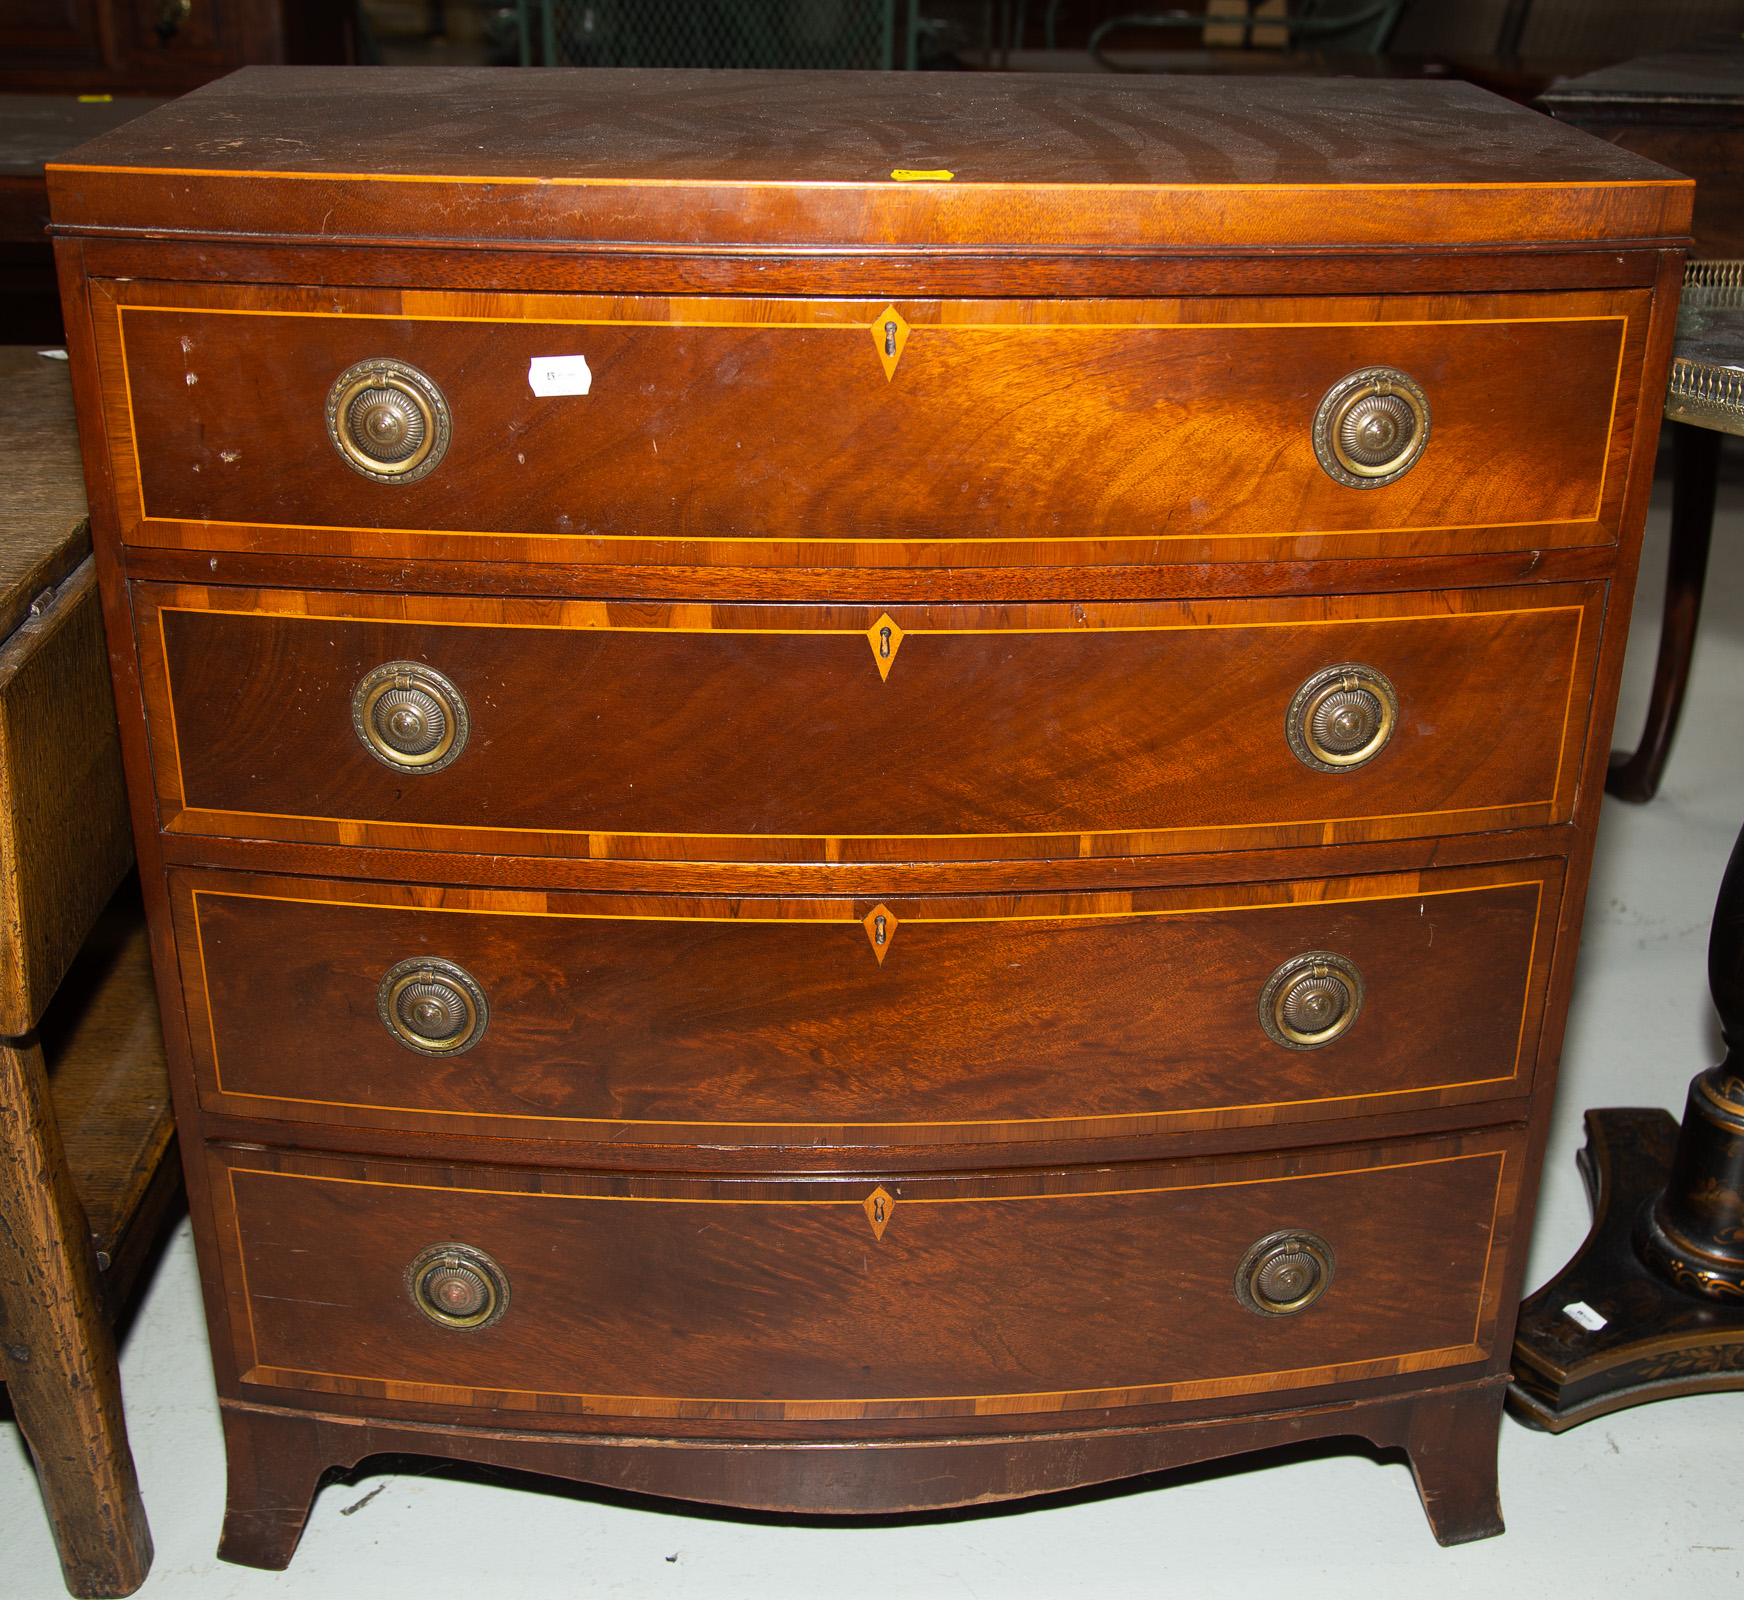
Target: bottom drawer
816,1299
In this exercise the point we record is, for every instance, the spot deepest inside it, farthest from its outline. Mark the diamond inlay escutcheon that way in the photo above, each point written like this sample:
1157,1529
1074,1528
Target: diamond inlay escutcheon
889,334
878,1206
886,639
880,926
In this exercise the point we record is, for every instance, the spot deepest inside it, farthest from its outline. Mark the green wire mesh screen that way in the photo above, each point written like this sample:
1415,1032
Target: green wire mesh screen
718,33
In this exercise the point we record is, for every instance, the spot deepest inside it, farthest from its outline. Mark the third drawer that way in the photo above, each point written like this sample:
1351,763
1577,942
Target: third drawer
673,1020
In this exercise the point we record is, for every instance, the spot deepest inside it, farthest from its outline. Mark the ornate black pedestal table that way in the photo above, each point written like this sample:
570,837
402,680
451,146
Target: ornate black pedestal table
1653,1304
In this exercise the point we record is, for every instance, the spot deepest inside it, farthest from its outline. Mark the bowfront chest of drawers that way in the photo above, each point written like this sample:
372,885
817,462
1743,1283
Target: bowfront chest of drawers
862,792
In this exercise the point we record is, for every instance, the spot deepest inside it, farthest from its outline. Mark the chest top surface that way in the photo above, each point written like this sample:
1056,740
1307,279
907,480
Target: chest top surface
900,160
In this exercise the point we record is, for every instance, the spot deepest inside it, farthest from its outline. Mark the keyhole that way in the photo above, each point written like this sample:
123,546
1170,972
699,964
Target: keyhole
884,643
890,338
878,930
878,1205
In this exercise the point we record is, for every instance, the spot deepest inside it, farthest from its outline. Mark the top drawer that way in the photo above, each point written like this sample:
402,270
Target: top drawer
840,433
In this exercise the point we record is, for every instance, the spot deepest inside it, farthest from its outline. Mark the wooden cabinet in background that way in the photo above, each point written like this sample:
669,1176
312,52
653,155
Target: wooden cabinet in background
162,47
863,793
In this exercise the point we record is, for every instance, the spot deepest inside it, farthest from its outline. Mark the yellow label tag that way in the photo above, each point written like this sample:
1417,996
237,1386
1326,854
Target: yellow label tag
906,175
95,99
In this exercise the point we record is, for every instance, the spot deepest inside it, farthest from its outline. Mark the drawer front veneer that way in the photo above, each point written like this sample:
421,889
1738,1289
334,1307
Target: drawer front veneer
912,1021
1026,1295
1066,431
790,733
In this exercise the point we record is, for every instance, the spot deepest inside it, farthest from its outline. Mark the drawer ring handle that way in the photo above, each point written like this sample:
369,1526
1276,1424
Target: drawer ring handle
1311,1000
1342,717
1371,428
1284,1273
409,717
432,1006
457,1286
388,420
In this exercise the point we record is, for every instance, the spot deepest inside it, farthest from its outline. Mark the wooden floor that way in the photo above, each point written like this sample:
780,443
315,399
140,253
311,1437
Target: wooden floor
1635,1504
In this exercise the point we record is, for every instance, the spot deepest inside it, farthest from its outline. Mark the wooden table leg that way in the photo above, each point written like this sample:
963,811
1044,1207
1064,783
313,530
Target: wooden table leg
1695,478
57,1351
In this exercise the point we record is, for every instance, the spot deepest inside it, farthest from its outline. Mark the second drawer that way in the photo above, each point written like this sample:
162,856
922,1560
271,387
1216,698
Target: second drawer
911,1021
743,733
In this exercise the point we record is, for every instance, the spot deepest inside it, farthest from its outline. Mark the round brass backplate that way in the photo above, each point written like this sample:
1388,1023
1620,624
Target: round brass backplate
432,1006
1284,1273
457,1286
387,420
1311,1000
1371,427
409,716
1342,717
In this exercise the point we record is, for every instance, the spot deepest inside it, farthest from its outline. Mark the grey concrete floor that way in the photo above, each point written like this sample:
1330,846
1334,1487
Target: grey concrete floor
1629,1505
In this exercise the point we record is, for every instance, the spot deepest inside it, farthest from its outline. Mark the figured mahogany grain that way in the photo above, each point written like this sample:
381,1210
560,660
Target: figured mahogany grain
770,731
1022,1295
1033,421
771,158
772,1021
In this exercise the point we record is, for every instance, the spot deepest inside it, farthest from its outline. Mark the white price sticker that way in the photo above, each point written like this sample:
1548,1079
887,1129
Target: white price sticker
1584,1314
554,375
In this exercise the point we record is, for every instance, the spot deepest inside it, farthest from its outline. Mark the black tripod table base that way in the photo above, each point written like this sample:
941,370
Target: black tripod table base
1652,1341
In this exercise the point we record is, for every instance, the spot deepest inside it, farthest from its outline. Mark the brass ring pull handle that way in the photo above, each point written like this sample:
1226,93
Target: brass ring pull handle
1342,717
432,1006
456,1286
388,421
1284,1273
409,716
1311,1000
1371,428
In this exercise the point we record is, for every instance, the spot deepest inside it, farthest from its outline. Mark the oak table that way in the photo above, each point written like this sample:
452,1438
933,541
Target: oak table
88,1162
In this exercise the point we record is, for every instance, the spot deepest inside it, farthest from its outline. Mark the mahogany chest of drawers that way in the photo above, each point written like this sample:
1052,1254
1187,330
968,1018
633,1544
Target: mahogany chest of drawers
862,792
